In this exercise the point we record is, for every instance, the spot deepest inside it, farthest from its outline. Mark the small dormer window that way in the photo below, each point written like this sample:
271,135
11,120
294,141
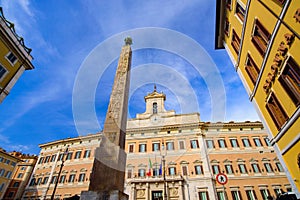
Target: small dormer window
154,108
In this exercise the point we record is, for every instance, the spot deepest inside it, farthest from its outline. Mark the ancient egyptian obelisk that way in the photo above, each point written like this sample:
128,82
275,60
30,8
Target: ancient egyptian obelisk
108,173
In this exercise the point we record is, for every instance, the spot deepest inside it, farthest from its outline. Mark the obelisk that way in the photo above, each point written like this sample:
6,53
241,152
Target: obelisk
108,173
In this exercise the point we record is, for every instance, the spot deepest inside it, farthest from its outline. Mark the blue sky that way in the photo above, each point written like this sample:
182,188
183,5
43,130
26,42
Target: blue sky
64,36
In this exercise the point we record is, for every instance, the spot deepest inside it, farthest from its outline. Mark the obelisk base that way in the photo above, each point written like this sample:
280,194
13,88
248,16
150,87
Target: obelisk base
112,195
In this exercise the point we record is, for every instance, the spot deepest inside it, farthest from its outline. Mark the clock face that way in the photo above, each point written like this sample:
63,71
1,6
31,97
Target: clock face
156,119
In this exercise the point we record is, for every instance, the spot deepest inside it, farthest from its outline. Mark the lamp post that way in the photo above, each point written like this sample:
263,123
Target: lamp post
59,172
163,154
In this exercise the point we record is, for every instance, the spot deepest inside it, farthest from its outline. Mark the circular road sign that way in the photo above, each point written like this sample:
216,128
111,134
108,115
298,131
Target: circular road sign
222,178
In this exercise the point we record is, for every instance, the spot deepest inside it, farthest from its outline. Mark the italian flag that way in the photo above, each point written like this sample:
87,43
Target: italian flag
149,168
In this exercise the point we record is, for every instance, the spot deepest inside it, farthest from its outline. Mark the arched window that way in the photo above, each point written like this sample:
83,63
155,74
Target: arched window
154,108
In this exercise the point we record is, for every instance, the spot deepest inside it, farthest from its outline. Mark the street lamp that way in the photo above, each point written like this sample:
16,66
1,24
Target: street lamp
60,169
163,154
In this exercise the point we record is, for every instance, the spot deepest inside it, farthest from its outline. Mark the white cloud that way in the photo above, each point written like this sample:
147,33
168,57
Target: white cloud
25,4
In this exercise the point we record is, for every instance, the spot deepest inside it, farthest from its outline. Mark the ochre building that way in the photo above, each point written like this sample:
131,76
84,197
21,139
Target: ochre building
15,57
192,153
7,169
262,40
63,168
21,175
171,155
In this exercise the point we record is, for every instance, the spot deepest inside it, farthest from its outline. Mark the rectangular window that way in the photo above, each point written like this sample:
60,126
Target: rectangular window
229,169
279,167
267,141
62,179
184,170
181,145
7,161
71,178
2,171
194,144
155,146
16,184
47,159
13,163
81,177
290,80
246,142
2,71
210,144
216,169
277,191
257,142
234,143
39,181
69,156
130,148
221,195
87,154
1,159
32,182
242,168
156,172
141,173
45,181
264,194
60,157
8,174
53,180
251,69
203,196
77,154
198,169
10,194
170,146
41,160
255,168
222,143
12,58
228,4
236,195
276,111
227,27
172,171
268,167
20,175
235,42
260,37
240,11
142,148
53,157
251,195
129,173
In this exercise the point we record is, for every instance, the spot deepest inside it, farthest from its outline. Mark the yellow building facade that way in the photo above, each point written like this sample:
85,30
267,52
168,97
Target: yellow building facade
15,57
21,175
8,165
262,40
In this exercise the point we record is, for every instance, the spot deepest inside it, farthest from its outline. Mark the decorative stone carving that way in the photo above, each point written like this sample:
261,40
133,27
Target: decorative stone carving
174,192
278,61
140,193
297,15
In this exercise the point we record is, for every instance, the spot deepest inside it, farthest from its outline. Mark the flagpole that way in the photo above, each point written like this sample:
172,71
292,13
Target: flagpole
164,170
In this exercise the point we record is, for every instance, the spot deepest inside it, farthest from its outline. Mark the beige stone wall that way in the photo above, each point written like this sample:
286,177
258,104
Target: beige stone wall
73,166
